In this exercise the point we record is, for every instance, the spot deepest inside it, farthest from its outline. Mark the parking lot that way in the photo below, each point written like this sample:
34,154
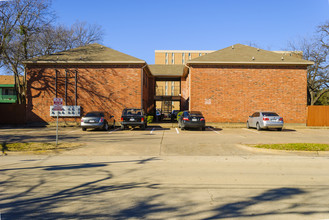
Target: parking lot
167,141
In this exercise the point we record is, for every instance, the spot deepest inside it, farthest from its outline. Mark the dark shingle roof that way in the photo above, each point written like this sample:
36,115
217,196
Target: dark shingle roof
92,53
166,70
242,54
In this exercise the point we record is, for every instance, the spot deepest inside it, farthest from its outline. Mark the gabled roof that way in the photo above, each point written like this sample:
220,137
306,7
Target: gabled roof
92,53
167,70
242,54
7,80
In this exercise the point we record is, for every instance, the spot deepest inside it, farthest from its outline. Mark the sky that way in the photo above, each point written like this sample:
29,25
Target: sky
138,27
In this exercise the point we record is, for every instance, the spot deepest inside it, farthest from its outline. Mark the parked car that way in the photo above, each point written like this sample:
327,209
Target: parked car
173,115
265,120
133,117
100,120
192,119
158,115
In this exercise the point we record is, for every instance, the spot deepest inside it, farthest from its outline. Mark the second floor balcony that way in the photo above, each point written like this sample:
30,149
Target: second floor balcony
171,91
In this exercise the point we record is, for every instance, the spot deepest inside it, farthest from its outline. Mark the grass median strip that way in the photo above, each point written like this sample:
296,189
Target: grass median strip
295,146
37,147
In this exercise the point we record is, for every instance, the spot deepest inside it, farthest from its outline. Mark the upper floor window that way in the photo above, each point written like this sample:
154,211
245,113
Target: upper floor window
172,58
183,58
189,56
200,54
166,58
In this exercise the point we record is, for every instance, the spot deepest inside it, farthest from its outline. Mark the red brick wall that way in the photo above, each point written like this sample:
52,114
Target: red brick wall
185,93
148,91
100,87
231,93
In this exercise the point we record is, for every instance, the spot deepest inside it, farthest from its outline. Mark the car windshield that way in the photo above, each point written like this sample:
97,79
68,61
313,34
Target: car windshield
94,114
196,114
132,112
270,114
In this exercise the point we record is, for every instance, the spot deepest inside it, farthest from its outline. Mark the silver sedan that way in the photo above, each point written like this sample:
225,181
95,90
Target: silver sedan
265,120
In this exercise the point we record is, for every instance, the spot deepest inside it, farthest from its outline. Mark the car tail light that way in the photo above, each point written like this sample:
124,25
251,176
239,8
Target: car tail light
281,119
185,119
266,119
201,119
82,120
101,120
142,119
121,118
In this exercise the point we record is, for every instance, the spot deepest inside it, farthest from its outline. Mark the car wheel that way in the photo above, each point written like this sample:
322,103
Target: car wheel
279,129
84,129
143,127
203,128
248,125
258,127
106,127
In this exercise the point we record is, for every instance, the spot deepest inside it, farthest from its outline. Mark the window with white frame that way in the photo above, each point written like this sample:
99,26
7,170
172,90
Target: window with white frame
173,58
183,58
166,58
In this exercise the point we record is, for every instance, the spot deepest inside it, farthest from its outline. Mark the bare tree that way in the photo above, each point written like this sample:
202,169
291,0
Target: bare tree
317,74
27,30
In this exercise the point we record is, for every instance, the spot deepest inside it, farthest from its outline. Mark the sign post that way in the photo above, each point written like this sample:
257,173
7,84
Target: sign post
58,104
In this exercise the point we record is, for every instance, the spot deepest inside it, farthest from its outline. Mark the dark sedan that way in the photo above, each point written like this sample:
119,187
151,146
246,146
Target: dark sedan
192,119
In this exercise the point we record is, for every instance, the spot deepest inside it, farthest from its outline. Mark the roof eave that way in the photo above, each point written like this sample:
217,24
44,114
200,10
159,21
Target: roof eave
83,62
307,63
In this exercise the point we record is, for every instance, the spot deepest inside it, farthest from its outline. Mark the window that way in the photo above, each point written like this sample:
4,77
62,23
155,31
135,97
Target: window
269,114
8,91
172,88
189,56
166,88
200,54
172,58
166,58
183,58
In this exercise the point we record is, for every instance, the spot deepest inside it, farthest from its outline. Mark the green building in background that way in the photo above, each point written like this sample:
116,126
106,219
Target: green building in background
7,89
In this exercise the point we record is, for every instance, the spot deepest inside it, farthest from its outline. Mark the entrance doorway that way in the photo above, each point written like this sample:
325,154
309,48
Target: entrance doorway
166,107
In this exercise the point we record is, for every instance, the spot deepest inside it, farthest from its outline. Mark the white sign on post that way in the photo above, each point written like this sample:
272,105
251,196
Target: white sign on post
58,104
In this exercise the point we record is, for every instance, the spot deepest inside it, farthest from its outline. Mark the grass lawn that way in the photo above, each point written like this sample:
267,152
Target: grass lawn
38,148
295,146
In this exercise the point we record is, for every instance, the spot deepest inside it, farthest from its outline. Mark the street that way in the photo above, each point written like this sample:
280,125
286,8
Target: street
171,187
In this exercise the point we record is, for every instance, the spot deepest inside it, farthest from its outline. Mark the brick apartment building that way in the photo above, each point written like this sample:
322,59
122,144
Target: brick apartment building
93,77
227,85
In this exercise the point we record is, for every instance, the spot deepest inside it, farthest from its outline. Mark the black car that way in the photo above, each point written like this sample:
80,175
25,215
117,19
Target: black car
134,117
192,119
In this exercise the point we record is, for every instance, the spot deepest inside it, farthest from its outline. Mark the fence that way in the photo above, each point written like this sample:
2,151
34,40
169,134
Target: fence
12,114
317,115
